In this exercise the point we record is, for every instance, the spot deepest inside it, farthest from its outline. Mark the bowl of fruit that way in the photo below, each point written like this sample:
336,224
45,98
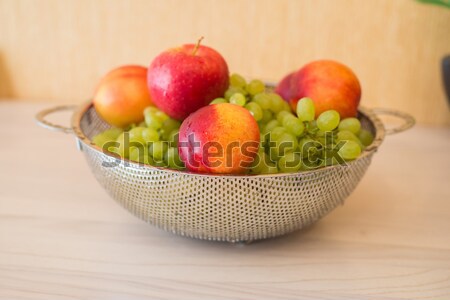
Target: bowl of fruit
196,151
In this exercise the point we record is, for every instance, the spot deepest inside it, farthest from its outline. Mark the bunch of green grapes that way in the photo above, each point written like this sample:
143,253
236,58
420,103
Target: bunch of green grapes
153,142
295,141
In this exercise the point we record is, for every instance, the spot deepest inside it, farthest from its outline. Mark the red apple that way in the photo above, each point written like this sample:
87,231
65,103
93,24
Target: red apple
122,95
331,85
219,138
182,80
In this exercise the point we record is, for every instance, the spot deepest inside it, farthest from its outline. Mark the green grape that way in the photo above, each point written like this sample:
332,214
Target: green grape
350,124
160,116
276,132
238,99
269,168
305,109
271,125
276,102
157,150
109,135
141,156
282,144
293,125
150,135
328,120
283,114
237,80
168,126
173,138
366,137
172,158
218,101
259,161
123,149
346,135
153,121
286,107
135,135
255,110
255,87
150,109
312,127
233,90
309,147
263,100
159,163
350,150
267,116
290,163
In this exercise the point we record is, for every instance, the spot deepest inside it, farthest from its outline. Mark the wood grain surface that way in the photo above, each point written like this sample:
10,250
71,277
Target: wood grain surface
58,49
62,237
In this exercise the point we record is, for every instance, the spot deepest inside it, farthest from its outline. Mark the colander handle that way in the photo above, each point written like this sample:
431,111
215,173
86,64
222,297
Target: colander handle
40,118
408,120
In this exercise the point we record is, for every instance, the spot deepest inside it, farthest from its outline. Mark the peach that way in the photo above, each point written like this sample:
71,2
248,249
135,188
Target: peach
219,138
122,95
331,85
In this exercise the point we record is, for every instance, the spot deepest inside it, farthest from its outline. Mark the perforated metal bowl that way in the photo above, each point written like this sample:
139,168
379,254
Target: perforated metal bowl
218,207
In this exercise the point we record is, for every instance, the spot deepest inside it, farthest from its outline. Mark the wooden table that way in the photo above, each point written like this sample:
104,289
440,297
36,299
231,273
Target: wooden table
62,237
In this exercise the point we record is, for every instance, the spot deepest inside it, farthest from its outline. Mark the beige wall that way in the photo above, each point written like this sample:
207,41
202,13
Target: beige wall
57,50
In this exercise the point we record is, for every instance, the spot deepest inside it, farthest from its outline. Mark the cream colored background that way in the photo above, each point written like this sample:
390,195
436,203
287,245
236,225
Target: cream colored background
57,50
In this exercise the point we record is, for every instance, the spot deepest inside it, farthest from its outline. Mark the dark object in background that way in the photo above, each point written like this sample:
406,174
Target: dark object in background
446,76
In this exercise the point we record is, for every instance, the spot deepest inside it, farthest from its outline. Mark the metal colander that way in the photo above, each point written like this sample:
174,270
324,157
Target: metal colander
220,207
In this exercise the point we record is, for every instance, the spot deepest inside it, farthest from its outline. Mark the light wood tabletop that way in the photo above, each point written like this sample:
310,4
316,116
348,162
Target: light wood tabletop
63,237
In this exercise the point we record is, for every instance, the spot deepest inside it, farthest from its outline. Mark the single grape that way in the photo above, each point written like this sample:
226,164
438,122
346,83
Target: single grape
150,135
168,126
305,109
286,107
350,124
135,134
267,116
293,125
238,99
290,163
276,102
218,101
255,110
255,87
328,120
346,135
237,80
263,100
233,90
366,137
350,150
270,125
283,114
157,150
276,132
172,158
153,121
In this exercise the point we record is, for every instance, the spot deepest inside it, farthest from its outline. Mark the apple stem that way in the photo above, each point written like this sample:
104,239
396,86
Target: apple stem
198,45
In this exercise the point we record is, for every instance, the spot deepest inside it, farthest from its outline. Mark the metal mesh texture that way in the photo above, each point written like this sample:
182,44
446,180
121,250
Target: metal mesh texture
222,208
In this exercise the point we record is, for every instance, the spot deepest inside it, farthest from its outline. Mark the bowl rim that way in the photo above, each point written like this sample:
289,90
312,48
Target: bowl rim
86,142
